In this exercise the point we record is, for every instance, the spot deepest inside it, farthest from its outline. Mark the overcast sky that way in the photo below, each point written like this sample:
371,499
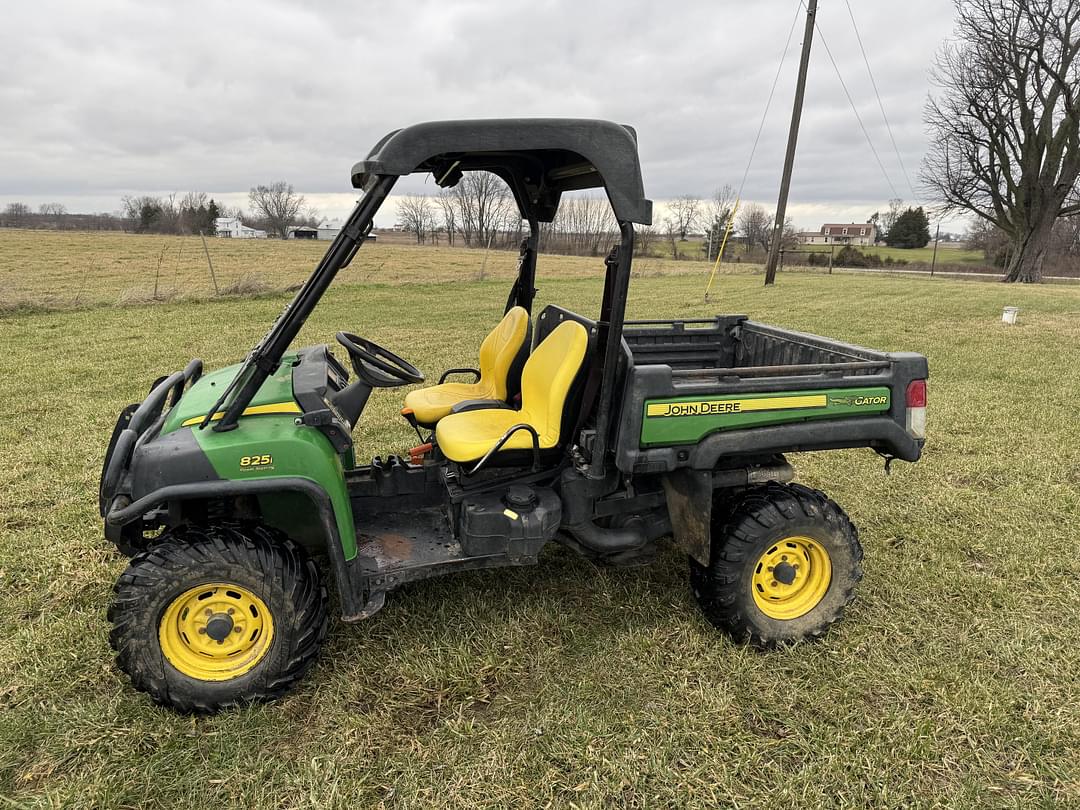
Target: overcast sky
108,98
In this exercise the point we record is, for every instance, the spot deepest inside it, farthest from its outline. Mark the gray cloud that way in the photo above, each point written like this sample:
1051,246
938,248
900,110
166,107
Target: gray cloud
98,100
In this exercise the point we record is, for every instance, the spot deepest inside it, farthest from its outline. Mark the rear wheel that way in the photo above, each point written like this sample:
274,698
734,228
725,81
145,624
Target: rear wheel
784,563
212,617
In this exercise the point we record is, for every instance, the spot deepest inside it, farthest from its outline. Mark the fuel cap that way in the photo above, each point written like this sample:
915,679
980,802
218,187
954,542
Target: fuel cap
520,498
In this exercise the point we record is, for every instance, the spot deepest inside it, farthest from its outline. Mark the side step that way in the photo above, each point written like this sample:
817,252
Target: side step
400,547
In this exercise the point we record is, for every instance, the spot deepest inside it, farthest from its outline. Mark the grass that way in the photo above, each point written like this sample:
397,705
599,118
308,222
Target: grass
946,254
952,682
63,270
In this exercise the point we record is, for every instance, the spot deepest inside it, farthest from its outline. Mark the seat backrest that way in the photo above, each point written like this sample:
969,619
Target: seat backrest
501,348
552,368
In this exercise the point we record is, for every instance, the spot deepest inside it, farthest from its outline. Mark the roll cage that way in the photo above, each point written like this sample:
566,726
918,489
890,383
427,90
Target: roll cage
539,159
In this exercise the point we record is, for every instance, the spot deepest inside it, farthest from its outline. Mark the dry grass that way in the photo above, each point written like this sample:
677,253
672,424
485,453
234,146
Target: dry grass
68,269
952,683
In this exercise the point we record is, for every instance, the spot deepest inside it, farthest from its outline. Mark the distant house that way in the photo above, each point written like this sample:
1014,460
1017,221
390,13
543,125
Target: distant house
847,233
329,229
303,232
233,228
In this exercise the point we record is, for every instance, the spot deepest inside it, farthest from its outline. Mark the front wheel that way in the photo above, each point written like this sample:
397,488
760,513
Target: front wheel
784,563
213,617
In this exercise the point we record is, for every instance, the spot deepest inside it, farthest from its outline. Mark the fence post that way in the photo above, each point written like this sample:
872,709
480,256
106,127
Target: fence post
209,263
933,261
830,258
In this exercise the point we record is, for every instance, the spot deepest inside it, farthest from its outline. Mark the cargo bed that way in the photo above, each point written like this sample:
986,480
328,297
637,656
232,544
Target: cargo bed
698,391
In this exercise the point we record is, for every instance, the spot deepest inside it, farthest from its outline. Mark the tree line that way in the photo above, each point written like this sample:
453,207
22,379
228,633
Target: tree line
276,208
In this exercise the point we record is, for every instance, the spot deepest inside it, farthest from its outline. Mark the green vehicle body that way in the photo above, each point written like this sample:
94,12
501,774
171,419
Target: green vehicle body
688,420
267,444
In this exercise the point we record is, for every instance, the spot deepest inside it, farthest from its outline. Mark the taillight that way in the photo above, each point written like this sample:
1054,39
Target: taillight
916,408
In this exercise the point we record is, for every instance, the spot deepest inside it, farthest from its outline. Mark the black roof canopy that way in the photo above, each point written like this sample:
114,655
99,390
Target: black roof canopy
539,158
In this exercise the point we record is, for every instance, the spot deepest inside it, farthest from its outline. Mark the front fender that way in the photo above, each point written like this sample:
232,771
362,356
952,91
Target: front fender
261,448
120,514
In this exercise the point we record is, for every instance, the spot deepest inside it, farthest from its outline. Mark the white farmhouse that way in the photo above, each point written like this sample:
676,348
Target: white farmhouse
844,233
233,228
329,229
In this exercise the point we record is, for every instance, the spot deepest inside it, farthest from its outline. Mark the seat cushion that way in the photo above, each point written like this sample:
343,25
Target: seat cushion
467,436
432,404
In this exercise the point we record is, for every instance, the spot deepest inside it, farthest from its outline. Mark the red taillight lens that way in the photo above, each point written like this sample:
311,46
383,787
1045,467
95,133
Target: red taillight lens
916,394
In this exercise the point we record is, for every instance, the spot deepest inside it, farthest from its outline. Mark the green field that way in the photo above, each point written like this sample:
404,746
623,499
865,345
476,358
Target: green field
947,254
952,682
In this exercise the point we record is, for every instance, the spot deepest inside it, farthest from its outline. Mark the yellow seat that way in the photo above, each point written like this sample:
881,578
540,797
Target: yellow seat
497,354
545,383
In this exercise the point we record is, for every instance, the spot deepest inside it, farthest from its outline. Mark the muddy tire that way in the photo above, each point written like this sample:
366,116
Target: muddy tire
785,561
213,617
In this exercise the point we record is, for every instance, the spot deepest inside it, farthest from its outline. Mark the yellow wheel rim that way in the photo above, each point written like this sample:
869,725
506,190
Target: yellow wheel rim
791,577
216,631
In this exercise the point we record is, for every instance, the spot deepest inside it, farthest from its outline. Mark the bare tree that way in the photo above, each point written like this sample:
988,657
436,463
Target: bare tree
145,213
671,236
581,226
484,206
755,225
1005,127
718,207
416,215
644,236
445,199
987,237
888,219
718,210
685,211
52,210
16,213
278,205
789,238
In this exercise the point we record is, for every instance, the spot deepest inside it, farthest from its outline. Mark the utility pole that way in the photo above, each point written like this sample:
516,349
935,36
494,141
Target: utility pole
933,261
793,137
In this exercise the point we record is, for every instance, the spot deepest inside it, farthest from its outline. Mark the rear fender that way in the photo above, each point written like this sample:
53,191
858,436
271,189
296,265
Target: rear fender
689,500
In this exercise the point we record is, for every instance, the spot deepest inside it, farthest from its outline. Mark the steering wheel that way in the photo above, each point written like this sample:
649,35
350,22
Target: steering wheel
375,365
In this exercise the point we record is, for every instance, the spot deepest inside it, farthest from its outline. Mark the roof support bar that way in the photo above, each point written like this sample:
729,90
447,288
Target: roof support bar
609,344
264,360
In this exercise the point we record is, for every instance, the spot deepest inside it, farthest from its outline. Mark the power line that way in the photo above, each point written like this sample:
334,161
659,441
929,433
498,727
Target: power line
768,103
753,150
881,106
858,117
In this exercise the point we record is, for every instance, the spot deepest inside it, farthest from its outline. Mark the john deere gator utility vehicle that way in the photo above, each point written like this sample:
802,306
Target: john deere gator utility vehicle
237,492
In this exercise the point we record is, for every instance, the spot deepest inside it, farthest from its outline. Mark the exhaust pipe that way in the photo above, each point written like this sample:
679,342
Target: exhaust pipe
579,494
